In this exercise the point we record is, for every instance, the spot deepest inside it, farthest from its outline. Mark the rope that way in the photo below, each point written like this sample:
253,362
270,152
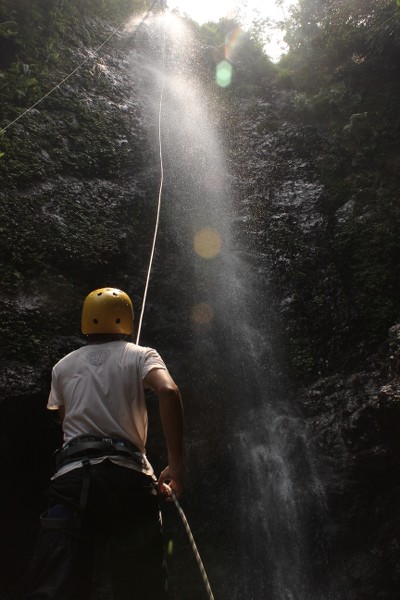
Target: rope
194,547
156,227
77,68
174,498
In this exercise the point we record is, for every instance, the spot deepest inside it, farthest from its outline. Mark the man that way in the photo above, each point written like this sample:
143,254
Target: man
104,485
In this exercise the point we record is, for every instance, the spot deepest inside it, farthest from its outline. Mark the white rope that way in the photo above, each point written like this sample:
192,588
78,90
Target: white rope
174,498
194,547
75,70
160,153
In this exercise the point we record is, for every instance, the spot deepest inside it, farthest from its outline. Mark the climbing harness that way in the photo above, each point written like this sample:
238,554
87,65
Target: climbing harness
83,447
94,53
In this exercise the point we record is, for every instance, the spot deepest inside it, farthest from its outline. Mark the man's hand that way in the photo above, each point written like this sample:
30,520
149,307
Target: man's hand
170,480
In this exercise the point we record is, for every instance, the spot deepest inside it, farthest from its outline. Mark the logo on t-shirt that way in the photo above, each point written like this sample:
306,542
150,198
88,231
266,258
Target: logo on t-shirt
99,357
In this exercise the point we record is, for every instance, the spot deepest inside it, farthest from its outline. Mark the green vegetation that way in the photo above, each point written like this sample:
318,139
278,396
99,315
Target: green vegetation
36,42
56,236
343,69
331,101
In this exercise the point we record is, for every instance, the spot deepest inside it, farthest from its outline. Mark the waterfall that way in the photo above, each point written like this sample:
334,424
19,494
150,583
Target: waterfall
252,488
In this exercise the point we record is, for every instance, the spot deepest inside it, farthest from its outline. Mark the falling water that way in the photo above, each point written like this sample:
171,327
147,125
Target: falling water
252,489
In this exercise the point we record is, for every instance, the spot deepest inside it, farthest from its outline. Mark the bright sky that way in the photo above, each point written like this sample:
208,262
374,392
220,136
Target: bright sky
213,10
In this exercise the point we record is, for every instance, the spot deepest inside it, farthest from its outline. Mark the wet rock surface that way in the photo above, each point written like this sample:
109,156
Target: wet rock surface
354,423
78,196
352,407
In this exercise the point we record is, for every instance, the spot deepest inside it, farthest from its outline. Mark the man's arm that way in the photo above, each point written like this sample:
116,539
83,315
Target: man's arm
171,415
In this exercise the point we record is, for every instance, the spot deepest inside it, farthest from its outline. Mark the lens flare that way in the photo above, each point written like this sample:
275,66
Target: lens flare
207,243
232,43
202,313
223,74
224,70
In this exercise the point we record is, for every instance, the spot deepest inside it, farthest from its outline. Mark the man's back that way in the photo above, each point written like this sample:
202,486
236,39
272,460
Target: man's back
101,389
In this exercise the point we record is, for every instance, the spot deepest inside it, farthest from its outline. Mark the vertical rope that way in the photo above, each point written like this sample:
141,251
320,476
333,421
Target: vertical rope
160,152
194,547
175,500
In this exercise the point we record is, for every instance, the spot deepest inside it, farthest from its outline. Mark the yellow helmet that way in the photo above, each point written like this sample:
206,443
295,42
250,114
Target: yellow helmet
107,310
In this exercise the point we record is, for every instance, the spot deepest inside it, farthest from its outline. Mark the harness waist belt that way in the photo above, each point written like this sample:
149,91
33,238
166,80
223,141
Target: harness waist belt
89,446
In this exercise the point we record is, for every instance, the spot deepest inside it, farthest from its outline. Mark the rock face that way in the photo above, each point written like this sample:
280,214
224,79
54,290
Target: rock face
351,401
355,425
74,196
292,406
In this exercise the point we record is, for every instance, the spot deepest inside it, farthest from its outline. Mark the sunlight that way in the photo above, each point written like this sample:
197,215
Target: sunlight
247,12
207,10
174,24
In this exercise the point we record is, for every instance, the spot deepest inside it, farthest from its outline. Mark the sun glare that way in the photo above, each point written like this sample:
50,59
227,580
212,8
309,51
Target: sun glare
174,24
212,10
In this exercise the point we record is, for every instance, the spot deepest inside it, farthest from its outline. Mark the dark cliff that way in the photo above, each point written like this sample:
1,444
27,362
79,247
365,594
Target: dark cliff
313,218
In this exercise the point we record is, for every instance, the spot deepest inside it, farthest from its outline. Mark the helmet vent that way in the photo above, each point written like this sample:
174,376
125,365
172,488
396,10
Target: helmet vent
107,310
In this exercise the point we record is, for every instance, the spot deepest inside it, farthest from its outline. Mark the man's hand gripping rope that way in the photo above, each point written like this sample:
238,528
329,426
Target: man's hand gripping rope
170,482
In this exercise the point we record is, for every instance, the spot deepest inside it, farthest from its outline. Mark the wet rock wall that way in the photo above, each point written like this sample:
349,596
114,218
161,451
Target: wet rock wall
78,187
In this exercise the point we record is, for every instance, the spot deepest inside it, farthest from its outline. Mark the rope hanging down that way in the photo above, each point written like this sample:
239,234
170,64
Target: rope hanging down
2,130
194,547
174,498
160,154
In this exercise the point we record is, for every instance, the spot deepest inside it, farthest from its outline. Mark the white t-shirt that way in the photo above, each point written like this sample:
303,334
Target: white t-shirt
101,387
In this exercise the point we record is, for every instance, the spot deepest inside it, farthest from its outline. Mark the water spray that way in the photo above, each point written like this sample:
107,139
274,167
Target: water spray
169,491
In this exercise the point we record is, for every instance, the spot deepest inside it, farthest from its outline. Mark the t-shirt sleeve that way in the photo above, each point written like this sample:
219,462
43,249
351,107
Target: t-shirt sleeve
152,360
55,397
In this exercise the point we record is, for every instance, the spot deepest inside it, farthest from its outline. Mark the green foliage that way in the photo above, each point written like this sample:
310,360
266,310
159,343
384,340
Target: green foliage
367,247
345,40
342,73
50,224
35,41
342,79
